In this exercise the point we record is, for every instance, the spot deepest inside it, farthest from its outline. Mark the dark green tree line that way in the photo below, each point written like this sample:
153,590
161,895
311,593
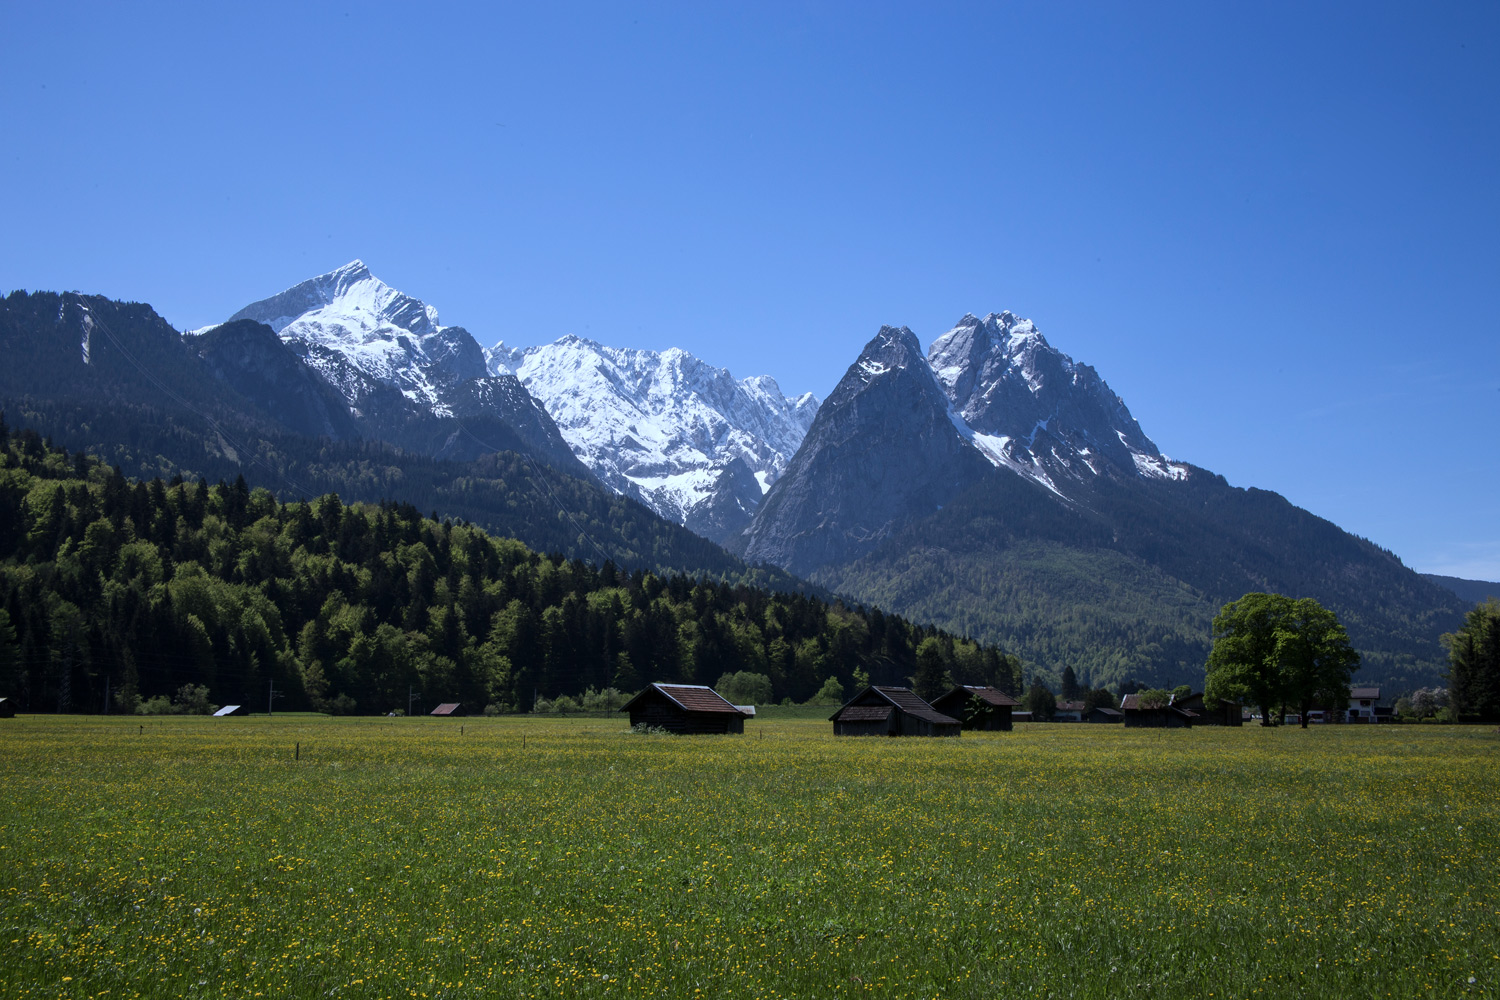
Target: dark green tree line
126,590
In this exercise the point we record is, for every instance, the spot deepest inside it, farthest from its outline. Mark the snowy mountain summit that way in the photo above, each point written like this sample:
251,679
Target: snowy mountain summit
683,436
687,439
350,317
1029,407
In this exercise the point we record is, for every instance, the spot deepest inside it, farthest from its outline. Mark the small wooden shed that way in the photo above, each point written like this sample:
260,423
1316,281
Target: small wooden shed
984,708
450,709
1105,714
1226,714
686,709
891,711
1163,717
7,709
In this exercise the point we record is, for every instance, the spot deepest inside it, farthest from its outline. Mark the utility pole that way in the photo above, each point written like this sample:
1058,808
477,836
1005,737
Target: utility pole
106,694
409,697
270,695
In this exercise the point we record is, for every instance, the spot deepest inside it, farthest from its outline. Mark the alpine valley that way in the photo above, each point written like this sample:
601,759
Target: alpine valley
990,485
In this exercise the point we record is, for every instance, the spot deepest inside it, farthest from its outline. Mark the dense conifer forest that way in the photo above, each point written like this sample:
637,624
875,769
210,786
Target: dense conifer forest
113,591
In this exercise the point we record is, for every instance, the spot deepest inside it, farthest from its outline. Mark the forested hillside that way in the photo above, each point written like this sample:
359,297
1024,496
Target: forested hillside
140,587
1124,587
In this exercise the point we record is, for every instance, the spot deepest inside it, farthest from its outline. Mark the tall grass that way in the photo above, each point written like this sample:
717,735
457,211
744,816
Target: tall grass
401,858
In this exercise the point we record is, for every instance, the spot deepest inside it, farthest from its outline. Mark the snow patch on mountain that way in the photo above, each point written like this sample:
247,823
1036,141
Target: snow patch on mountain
662,426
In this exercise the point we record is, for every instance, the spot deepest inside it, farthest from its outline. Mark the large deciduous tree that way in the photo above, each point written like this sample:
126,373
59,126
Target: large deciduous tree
1316,659
1272,650
1242,664
1474,664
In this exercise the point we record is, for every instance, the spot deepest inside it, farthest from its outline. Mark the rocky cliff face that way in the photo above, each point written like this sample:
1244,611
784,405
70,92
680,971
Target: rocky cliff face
882,451
1030,408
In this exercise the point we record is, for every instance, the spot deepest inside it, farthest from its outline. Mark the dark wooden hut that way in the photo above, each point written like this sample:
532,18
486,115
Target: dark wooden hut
891,711
1225,714
1105,714
1162,717
449,709
984,708
687,709
7,709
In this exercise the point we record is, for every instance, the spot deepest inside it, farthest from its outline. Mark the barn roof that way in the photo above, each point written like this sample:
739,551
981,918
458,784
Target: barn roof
991,695
1070,706
689,698
226,710
899,697
447,708
1372,693
1108,711
863,713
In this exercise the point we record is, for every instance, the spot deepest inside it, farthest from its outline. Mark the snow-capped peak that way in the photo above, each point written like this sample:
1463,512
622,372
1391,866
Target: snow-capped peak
662,425
1033,409
350,316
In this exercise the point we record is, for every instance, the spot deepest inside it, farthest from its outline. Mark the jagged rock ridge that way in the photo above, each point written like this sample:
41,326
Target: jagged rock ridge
685,437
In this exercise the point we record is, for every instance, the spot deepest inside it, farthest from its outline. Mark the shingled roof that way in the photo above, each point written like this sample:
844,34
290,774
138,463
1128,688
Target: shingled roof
991,695
906,699
689,698
863,713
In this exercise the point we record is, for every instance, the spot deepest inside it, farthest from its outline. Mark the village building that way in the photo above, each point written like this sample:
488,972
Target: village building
1068,711
1162,717
984,708
1226,714
686,709
891,711
1362,704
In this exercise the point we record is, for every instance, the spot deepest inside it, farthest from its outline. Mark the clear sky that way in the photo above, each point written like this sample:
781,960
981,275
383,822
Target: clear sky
1273,228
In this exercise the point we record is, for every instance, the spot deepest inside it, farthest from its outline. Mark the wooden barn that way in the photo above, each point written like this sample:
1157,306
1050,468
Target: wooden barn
686,709
449,709
1226,714
7,709
1164,717
1103,713
984,708
891,711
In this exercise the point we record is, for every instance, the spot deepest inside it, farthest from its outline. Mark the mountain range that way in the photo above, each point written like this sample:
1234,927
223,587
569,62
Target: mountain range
990,484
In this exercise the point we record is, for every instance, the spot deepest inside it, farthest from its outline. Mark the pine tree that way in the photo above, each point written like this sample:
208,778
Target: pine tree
1474,664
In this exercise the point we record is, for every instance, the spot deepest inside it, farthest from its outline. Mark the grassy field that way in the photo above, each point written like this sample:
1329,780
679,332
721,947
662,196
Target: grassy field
405,858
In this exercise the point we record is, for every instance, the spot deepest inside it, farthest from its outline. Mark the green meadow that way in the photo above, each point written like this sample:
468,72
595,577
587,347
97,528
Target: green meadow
519,857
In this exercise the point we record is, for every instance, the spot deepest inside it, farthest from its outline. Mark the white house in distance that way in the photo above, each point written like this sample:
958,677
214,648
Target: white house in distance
1362,703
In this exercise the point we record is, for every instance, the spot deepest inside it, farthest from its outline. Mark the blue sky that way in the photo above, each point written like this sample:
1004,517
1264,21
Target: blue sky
1272,228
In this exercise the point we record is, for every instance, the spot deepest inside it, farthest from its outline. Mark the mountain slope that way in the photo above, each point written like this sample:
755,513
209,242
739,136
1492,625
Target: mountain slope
880,453
1473,591
403,377
683,436
1002,490
115,379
